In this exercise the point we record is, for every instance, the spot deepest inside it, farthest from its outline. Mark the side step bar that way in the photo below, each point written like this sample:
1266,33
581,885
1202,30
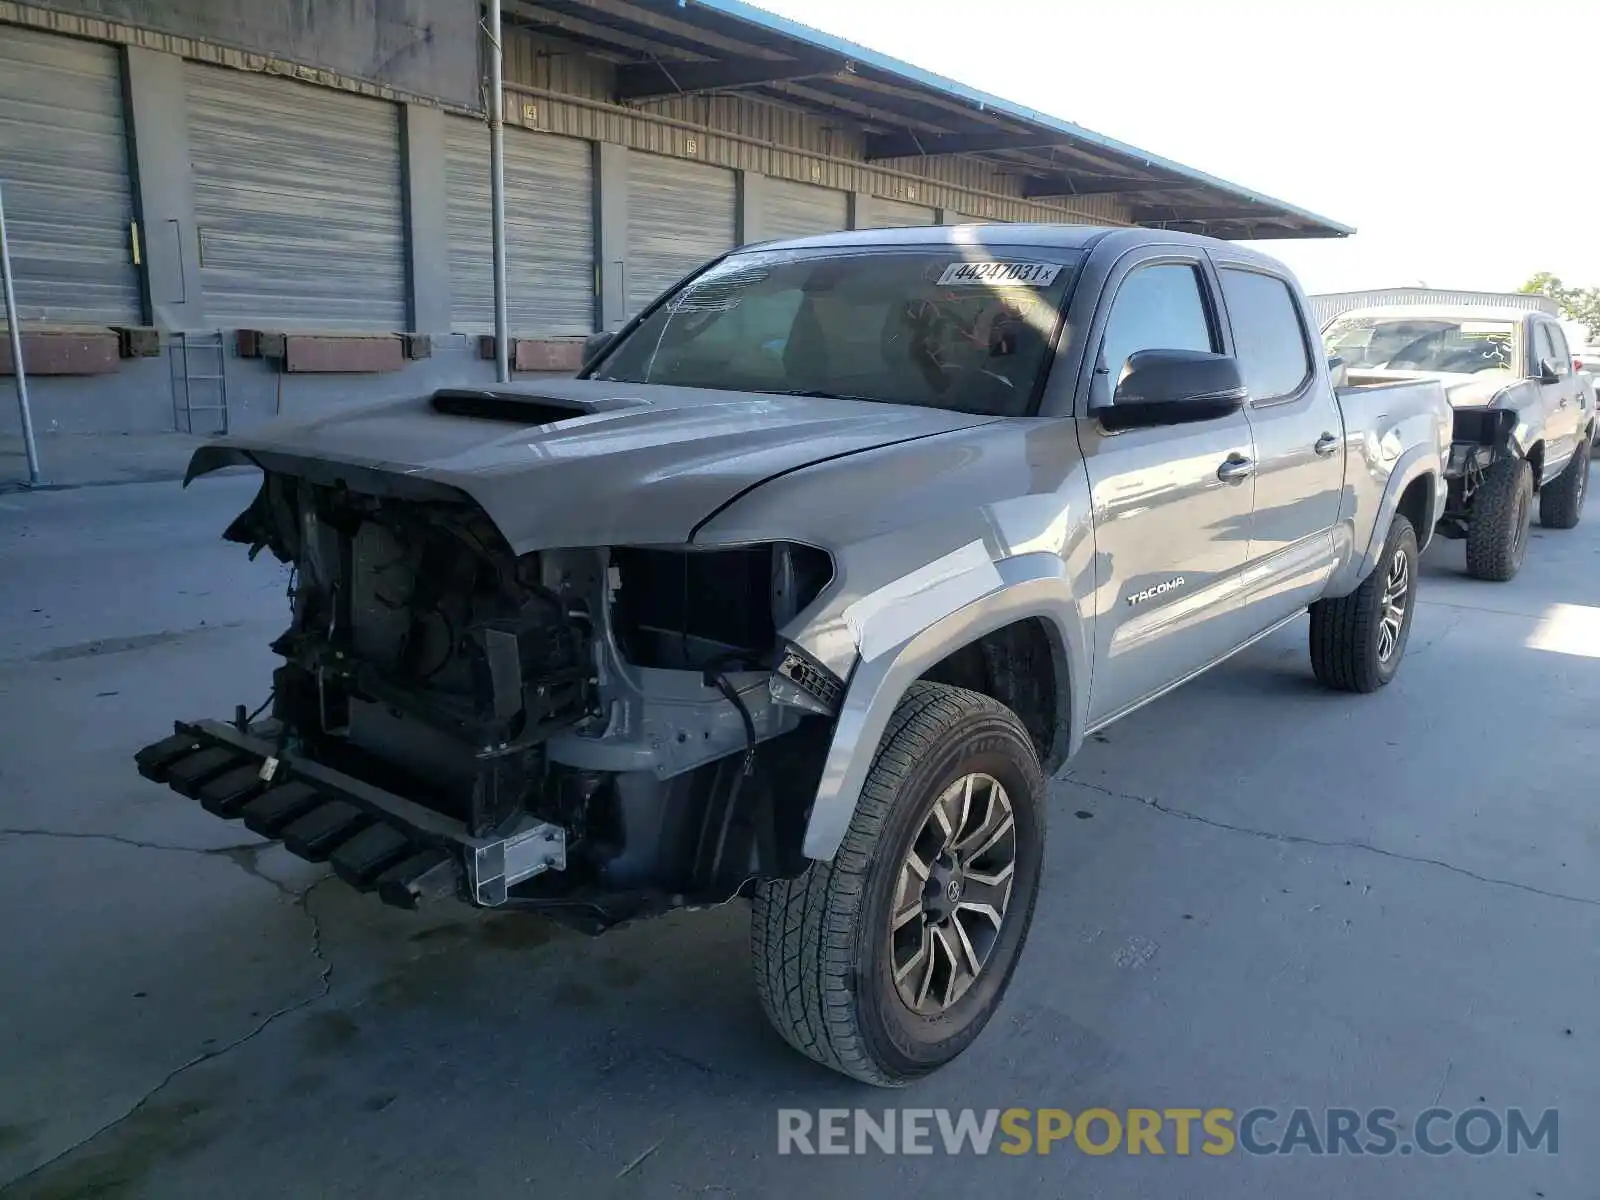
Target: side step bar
375,840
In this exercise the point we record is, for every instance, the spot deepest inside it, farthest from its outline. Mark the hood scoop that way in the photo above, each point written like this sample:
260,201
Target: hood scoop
512,408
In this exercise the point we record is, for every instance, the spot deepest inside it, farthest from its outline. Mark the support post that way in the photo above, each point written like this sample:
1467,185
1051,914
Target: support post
611,234
14,327
497,194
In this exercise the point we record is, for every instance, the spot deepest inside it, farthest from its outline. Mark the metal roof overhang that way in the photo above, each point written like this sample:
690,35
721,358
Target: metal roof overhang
667,48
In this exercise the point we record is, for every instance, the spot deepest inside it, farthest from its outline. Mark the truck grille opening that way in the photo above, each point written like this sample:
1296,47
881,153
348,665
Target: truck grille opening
688,609
421,641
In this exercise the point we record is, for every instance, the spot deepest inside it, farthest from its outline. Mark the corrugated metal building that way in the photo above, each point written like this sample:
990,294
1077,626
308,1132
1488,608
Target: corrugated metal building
1328,305
218,212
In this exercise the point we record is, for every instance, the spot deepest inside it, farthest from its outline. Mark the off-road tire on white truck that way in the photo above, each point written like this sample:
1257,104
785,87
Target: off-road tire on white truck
1561,500
1502,511
1357,641
826,946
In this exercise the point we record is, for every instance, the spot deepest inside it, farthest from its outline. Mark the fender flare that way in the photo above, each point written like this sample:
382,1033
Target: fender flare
1033,586
1412,465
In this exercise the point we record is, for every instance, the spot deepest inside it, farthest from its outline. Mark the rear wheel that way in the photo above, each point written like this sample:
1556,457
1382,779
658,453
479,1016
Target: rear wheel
1357,641
888,961
1561,500
1497,529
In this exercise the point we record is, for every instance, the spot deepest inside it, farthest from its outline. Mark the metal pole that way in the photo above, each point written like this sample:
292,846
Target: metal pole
497,195
15,328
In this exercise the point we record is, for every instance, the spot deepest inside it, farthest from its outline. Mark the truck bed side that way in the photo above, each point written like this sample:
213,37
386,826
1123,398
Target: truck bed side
1399,434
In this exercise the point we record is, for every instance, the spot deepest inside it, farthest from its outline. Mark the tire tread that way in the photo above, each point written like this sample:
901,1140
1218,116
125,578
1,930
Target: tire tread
802,939
1343,627
1491,527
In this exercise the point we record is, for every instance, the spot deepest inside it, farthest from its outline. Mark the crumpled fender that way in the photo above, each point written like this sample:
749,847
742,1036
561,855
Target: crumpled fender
1526,407
1524,435
1028,585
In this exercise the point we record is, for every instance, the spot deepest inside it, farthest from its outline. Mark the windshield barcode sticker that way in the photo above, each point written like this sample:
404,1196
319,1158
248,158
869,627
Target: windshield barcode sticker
1034,274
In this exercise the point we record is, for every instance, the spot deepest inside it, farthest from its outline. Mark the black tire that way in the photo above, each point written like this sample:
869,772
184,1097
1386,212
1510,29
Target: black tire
1497,528
1561,500
822,945
1352,648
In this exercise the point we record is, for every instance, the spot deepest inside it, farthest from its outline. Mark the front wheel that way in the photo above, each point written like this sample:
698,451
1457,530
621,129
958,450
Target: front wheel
887,962
1497,528
1357,641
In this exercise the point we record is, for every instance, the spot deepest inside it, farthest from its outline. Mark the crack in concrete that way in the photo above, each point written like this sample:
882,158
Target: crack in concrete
323,988
225,851
1477,608
244,855
1331,844
1450,627
248,859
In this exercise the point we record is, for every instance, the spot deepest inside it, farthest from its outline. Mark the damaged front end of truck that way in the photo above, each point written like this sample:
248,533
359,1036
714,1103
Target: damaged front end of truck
598,733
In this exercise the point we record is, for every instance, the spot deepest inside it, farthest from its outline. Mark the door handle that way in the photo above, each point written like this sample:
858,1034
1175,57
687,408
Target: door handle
1326,444
1236,468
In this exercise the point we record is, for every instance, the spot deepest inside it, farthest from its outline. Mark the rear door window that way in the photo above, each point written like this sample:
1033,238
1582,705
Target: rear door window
1268,334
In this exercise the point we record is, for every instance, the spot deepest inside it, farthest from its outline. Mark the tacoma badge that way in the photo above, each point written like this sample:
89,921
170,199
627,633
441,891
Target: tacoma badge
1151,593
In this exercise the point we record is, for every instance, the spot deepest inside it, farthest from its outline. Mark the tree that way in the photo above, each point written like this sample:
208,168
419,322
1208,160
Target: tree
1577,304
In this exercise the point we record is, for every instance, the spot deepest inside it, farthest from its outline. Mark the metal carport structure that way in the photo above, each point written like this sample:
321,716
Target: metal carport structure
909,119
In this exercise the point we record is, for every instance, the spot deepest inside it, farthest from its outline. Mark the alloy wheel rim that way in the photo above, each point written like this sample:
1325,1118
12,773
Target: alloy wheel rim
1396,595
952,894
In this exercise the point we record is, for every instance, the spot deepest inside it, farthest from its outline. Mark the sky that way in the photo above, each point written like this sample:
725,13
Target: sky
1460,137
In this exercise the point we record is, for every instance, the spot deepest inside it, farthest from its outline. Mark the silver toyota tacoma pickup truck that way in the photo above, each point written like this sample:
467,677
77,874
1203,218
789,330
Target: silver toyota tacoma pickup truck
802,589
1524,416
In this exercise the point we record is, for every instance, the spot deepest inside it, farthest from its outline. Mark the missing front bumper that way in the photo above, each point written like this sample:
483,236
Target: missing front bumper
1466,458
375,840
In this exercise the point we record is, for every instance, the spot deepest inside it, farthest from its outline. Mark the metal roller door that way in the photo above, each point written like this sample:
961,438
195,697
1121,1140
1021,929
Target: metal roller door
680,214
878,212
801,209
64,167
549,232
298,202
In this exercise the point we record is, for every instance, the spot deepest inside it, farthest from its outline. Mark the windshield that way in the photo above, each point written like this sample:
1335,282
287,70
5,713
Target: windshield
939,328
1457,346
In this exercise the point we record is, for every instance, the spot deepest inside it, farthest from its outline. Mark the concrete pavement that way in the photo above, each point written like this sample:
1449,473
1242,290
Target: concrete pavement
94,459
1256,893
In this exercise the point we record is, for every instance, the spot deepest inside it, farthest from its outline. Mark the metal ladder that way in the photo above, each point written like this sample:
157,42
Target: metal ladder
184,352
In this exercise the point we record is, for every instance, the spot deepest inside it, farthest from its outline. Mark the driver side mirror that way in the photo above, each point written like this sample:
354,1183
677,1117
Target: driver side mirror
1174,387
595,345
1549,372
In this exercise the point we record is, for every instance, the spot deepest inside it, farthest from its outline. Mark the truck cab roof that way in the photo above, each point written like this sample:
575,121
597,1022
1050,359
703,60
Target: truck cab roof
1060,237
1444,312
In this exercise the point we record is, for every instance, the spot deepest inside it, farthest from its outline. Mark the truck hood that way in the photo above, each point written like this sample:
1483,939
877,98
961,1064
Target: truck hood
581,463
1477,390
